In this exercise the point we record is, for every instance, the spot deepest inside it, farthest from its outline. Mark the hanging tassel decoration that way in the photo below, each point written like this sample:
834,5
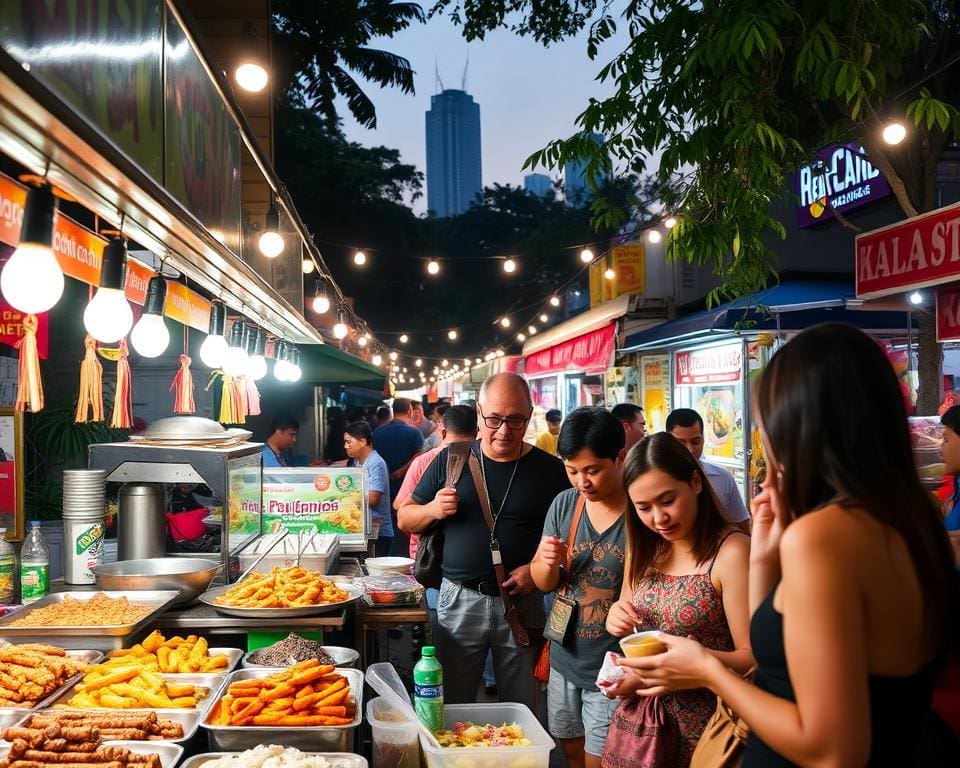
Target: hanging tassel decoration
90,396
29,385
182,388
231,398
122,416
253,397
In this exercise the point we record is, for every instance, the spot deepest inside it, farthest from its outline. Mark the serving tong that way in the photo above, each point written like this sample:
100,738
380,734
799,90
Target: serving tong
266,552
302,545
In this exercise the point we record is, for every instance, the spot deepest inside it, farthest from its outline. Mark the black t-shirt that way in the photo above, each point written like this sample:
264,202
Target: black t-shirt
466,548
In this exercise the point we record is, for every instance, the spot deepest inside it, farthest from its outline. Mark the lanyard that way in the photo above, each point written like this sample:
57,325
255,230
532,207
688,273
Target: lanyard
494,544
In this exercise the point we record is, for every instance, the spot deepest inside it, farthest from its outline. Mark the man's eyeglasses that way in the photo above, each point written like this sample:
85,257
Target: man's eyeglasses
512,422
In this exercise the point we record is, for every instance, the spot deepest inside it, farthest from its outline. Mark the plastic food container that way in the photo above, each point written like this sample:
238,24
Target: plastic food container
392,591
535,756
396,740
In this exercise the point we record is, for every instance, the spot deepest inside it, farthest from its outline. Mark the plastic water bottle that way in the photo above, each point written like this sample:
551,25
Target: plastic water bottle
428,689
34,566
6,569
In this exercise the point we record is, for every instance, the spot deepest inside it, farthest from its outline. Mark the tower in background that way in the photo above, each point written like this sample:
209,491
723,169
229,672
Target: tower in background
538,184
454,176
576,191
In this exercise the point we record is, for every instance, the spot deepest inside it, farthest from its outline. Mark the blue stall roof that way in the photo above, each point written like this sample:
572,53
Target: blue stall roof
798,304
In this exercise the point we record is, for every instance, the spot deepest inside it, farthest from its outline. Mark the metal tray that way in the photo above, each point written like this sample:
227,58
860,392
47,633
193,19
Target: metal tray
10,717
277,613
86,637
335,759
169,753
335,738
89,657
212,682
233,659
188,718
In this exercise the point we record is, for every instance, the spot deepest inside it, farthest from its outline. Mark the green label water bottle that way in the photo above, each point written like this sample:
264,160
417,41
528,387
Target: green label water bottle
428,689
34,566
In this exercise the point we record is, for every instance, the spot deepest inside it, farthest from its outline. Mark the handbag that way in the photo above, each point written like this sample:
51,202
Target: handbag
428,563
641,735
724,738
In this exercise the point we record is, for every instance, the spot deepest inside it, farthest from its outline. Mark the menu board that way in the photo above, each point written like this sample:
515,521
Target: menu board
326,499
655,390
243,504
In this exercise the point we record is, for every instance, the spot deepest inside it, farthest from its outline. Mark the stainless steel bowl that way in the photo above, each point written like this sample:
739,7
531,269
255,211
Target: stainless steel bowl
184,427
342,657
190,575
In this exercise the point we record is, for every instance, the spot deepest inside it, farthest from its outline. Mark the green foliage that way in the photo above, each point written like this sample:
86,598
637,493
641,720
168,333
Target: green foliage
319,43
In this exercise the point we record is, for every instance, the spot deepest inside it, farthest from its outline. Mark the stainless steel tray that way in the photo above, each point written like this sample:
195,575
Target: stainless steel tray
277,613
89,657
233,659
212,682
85,637
169,753
335,738
335,759
188,718
10,717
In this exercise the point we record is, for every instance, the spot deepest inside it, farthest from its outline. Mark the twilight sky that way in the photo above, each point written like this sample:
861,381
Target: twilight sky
528,94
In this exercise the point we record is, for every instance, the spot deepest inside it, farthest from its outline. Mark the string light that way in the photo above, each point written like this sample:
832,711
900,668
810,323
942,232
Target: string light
509,266
404,338
609,274
359,258
654,236
466,361
340,330
444,363
554,301
521,337
418,362
894,132
544,317
32,280
476,360
670,222
433,267
307,265
505,322
392,356
321,304
452,334
500,353
271,241
251,77
377,359
586,255
362,341
531,329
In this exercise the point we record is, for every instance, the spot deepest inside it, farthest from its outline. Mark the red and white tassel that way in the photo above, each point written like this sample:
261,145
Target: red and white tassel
182,388
29,385
122,416
253,397
90,396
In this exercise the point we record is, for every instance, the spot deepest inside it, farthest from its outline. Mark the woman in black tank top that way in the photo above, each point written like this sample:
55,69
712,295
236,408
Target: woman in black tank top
852,585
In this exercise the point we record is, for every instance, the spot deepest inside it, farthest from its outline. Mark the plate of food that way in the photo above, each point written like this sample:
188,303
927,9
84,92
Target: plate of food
717,407
281,593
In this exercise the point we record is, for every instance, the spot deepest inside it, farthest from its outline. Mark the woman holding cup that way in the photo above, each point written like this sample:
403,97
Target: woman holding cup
686,574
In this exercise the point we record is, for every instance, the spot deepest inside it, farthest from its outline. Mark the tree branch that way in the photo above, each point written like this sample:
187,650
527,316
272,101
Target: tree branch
897,185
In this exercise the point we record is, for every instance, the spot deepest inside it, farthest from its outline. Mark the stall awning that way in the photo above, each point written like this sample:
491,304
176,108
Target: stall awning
788,306
325,365
589,353
591,320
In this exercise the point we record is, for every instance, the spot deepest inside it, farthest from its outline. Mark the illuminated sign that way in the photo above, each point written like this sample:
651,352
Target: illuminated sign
839,179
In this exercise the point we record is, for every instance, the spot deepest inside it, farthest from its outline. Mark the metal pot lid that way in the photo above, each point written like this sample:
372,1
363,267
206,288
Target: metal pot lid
184,428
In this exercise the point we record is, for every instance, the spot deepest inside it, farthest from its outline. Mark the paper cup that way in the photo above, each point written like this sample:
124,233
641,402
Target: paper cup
641,644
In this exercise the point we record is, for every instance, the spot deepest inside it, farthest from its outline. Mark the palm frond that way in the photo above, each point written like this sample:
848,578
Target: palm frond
381,67
358,102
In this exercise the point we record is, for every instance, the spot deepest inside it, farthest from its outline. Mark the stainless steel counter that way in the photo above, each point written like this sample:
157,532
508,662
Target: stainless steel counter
204,618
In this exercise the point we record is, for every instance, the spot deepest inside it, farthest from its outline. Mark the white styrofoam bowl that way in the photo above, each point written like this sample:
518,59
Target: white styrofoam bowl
378,566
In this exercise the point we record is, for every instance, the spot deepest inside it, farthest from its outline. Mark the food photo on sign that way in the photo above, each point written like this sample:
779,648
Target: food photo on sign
329,500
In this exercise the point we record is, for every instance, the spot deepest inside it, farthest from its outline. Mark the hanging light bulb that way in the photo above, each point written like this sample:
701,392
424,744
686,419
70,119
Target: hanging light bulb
271,241
362,341
531,330
433,267
404,338
500,353
321,304
280,354
214,347
654,236
894,132
392,356
294,372
544,317
586,255
251,77
476,360
509,266
418,362
521,337
466,362
256,363
505,322
444,363
108,316
359,258
150,336
377,359
307,265
452,334
340,329
235,359
554,301
670,222
32,280
609,274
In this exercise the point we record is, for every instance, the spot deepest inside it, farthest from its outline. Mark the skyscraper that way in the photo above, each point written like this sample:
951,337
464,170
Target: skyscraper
575,188
538,184
453,152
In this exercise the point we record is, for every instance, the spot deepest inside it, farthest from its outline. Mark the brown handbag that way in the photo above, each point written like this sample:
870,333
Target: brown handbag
724,738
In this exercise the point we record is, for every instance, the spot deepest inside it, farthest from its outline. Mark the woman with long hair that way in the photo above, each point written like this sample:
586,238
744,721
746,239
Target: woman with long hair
686,574
852,588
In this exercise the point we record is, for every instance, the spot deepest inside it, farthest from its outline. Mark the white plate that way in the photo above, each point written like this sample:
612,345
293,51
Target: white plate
210,595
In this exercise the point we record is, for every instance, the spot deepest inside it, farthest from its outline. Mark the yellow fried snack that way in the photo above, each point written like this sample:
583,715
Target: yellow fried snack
98,611
293,587
176,655
31,672
132,687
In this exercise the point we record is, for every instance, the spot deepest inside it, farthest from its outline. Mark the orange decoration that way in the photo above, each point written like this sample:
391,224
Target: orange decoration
122,417
90,396
183,388
29,385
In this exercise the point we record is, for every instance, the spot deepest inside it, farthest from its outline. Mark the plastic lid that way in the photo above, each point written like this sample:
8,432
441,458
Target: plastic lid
428,650
383,678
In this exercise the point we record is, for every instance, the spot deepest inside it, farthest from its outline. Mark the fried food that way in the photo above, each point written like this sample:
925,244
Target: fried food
306,694
29,673
293,587
176,655
68,747
126,726
98,611
133,686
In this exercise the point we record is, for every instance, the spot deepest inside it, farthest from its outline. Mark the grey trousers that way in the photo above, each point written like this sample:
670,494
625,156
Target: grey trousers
470,624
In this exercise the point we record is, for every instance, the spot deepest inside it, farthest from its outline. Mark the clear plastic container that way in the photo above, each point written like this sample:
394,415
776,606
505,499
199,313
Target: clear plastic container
396,740
392,591
537,755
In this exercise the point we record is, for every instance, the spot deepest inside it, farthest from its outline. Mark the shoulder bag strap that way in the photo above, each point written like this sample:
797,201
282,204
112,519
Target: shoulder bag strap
574,527
481,488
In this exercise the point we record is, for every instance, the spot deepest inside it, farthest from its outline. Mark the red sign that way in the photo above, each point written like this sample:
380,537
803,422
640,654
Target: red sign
11,328
13,197
948,313
138,278
590,353
915,253
714,365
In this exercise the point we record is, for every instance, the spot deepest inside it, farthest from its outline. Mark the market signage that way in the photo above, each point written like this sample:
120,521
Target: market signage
590,353
713,365
915,253
11,328
839,179
187,307
948,313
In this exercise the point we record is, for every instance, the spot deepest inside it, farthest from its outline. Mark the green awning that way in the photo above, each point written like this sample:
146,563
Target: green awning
325,365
